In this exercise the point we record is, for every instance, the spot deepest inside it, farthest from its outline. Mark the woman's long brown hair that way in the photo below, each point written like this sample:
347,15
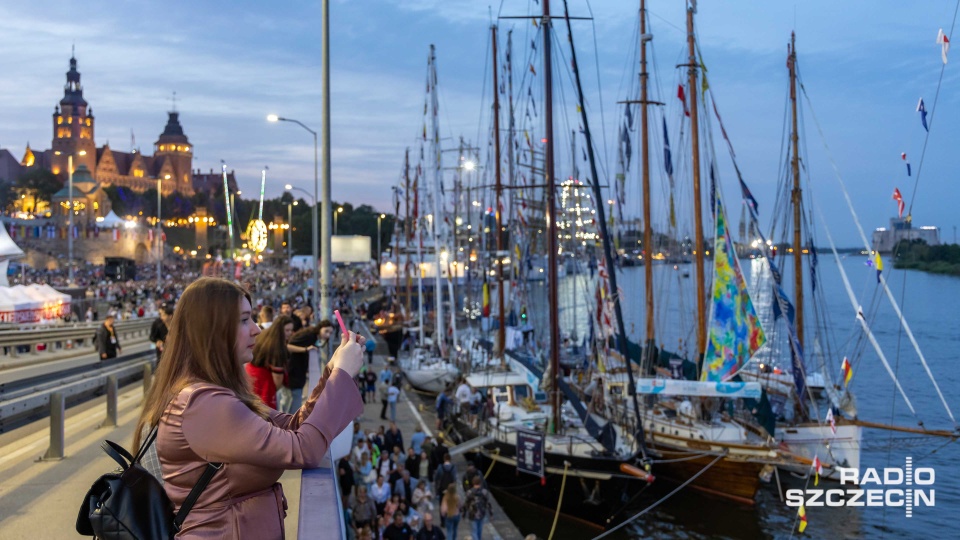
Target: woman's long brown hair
271,346
200,347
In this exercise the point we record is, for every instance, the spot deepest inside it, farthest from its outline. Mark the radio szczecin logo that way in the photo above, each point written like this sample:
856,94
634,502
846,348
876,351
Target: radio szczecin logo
890,487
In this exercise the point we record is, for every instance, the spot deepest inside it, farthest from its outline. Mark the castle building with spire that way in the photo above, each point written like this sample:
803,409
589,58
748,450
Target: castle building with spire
73,135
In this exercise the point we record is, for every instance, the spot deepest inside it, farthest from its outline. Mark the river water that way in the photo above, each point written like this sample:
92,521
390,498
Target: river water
930,305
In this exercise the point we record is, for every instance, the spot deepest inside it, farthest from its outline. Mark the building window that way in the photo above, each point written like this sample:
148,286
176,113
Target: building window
70,120
59,120
88,121
84,133
138,173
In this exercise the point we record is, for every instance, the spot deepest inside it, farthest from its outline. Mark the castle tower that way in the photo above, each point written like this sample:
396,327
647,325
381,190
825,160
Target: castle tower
73,124
174,148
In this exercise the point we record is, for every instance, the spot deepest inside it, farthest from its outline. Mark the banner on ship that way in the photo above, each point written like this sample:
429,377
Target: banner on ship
674,387
530,452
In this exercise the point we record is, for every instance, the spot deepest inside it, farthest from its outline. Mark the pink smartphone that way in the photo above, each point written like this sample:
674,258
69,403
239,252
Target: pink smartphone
343,327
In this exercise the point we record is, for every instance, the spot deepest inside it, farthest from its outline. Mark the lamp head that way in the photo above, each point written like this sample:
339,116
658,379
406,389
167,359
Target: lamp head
273,118
288,187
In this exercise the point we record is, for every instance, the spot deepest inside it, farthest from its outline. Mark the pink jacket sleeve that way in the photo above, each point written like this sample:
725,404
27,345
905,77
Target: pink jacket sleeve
220,428
293,421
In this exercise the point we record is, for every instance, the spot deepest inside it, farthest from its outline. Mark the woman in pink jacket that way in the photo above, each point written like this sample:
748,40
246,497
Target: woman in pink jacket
206,412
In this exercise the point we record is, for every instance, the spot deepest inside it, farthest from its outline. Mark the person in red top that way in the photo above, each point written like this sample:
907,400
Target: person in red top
269,366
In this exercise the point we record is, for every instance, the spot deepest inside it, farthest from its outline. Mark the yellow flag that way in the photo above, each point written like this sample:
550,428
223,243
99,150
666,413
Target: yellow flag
803,519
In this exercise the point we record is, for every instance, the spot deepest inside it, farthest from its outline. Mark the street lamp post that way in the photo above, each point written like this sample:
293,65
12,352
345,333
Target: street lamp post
70,220
70,217
159,233
324,310
339,210
379,251
290,206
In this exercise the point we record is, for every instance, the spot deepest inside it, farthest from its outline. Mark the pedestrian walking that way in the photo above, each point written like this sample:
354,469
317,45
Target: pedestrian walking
371,346
107,344
477,507
384,399
393,393
158,330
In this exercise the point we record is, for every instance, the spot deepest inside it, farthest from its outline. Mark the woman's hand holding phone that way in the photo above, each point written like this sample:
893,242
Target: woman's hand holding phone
349,355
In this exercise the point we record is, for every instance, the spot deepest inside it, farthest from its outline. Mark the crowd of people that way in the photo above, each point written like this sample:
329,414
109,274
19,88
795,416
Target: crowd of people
392,487
391,490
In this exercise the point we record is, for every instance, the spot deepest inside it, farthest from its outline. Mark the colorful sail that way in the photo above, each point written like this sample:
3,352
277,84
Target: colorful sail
735,333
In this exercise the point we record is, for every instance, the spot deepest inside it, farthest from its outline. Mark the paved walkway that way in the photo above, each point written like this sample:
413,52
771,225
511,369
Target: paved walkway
412,410
40,499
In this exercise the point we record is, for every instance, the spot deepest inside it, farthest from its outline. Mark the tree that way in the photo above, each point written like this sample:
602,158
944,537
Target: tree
42,182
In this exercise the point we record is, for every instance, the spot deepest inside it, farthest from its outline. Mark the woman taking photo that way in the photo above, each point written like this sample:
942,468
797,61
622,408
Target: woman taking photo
206,412
269,366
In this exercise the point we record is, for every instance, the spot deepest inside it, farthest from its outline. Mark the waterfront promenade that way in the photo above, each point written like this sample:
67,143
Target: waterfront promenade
40,499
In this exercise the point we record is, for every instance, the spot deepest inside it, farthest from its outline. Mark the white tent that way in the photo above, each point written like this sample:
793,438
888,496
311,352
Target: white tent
9,250
16,306
54,304
110,221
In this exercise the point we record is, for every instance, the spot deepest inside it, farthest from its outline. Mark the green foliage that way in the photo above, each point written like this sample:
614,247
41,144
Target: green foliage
7,194
918,255
43,182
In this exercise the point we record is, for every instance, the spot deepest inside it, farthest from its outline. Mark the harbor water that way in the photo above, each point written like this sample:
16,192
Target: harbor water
929,303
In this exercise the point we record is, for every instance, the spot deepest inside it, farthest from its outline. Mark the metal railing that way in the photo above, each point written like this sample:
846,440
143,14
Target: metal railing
56,338
29,403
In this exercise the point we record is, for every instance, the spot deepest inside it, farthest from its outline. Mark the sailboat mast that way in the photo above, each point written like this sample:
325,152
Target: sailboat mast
795,195
548,169
435,222
406,229
501,328
697,202
645,164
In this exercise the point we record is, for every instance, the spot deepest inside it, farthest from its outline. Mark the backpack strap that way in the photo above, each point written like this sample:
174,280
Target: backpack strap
191,499
118,453
151,437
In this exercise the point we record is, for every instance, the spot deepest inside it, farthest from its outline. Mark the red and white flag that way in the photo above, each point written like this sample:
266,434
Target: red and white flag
831,421
899,198
944,43
116,234
683,99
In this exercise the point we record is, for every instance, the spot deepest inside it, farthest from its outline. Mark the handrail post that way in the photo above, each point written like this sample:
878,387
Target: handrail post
57,413
111,419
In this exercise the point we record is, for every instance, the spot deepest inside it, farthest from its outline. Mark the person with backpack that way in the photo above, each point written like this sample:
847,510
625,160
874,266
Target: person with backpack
477,506
446,474
206,413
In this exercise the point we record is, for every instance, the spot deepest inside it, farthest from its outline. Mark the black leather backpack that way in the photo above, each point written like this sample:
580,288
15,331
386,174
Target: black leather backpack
130,503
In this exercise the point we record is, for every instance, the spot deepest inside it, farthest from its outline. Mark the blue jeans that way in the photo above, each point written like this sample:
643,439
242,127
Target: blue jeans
297,399
393,411
453,523
476,528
